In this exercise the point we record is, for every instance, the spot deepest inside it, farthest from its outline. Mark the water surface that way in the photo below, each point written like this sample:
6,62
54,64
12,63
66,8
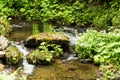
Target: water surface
70,70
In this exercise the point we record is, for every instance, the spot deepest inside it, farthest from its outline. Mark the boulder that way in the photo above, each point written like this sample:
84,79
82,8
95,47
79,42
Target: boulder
38,57
52,38
2,53
3,43
1,67
5,26
13,55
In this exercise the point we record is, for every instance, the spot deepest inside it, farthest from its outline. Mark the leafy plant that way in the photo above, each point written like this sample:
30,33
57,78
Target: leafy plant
98,13
102,47
44,53
39,57
12,76
47,27
95,44
53,49
109,71
87,44
35,29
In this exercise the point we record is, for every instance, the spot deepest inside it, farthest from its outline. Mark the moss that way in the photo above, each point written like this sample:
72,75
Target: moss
13,55
5,26
39,57
52,38
49,36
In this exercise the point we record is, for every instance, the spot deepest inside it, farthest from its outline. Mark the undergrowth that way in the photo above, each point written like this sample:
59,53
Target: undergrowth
102,47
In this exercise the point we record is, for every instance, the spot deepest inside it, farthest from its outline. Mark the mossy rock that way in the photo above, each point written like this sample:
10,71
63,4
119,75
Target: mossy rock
52,38
5,26
3,43
38,57
13,56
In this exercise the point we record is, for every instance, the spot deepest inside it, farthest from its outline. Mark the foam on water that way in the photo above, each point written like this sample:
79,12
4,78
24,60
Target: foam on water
27,68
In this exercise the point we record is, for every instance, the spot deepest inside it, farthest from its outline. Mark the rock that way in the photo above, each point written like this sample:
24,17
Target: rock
53,38
3,43
2,53
1,67
39,58
86,60
5,26
117,78
13,56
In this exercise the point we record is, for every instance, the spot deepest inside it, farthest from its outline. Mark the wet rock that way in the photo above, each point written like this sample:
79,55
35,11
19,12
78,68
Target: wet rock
3,43
117,78
86,60
2,53
1,67
13,56
52,38
39,58
4,26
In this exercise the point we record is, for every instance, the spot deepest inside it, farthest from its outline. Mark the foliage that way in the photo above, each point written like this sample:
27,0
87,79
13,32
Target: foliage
109,71
99,13
53,49
102,47
103,18
44,53
88,43
35,29
39,57
12,76
47,27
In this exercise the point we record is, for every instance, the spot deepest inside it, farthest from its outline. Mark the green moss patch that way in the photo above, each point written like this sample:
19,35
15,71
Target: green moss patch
13,56
39,57
52,38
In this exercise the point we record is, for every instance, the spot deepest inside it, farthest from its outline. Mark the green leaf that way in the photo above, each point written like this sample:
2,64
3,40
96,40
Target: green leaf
22,9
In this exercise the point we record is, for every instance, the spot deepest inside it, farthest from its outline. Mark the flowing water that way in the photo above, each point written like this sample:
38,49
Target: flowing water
27,68
66,69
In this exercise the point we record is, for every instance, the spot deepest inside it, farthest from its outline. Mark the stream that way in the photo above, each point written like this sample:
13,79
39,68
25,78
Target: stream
69,68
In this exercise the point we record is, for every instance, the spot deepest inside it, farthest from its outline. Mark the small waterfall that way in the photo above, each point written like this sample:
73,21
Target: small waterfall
27,68
71,34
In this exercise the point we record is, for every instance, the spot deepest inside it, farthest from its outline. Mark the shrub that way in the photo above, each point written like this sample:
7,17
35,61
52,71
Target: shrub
44,54
101,46
53,49
101,14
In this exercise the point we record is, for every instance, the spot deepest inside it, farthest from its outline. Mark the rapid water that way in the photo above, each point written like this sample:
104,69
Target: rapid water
70,33
27,68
